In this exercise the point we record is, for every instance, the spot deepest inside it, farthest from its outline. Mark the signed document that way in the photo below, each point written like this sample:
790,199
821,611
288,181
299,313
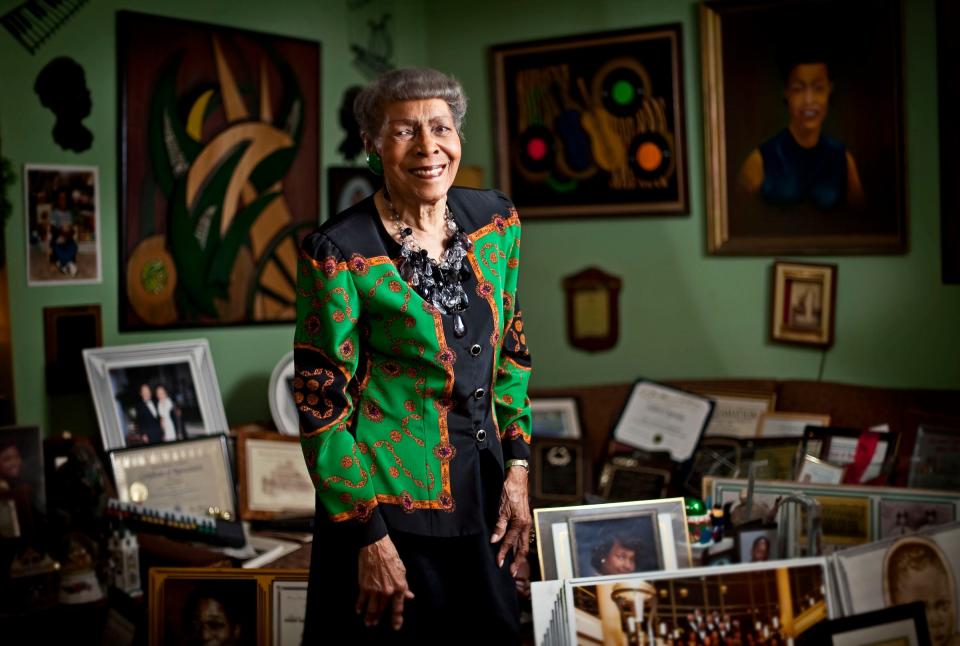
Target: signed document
658,418
189,476
277,479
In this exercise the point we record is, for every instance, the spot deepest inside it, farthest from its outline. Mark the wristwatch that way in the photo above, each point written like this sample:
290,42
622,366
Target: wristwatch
517,463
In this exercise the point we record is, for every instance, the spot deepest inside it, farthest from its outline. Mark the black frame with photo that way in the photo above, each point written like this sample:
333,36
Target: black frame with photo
609,528
559,472
853,627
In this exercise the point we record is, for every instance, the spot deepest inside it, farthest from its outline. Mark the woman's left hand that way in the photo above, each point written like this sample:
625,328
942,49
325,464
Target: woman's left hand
513,525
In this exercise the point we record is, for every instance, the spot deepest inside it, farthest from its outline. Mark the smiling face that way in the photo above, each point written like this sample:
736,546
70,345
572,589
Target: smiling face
420,149
808,95
619,560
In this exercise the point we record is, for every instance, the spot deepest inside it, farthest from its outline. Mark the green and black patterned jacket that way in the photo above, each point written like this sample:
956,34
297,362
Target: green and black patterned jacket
398,417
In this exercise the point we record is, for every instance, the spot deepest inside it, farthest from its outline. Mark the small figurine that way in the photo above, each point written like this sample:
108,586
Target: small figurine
717,522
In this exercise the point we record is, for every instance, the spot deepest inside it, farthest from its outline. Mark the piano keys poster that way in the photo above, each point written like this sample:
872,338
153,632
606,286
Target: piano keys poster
219,167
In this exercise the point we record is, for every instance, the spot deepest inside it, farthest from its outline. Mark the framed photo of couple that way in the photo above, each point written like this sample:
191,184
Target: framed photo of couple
154,393
803,122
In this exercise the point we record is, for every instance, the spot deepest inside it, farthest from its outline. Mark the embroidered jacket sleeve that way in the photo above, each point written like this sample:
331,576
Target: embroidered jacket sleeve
511,404
326,355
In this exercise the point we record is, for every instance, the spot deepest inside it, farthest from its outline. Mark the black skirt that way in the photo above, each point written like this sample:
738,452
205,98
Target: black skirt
461,595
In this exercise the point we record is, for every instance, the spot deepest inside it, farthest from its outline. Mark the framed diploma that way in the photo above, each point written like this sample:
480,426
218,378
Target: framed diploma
191,476
814,470
558,470
738,414
789,424
660,418
273,477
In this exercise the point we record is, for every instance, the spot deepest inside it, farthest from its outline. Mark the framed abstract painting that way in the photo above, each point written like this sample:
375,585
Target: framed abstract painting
592,125
219,163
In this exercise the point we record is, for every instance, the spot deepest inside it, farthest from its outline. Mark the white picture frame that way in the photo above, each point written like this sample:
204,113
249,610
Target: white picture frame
555,417
288,612
42,188
282,407
114,373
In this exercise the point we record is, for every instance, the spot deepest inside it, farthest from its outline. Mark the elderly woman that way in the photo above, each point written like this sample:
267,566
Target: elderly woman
411,385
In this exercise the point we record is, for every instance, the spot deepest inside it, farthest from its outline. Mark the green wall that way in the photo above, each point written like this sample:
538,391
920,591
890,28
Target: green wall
683,313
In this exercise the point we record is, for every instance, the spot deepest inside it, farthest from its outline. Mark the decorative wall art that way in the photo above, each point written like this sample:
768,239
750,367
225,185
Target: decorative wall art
219,168
948,89
803,304
804,127
592,125
61,87
347,185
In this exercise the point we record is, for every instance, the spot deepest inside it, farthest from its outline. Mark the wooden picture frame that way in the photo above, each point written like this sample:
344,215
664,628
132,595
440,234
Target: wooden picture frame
833,180
67,331
118,375
62,220
273,478
803,303
737,413
246,598
217,186
592,125
592,306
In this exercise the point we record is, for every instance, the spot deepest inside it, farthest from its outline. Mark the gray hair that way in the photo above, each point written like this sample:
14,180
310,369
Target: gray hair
407,84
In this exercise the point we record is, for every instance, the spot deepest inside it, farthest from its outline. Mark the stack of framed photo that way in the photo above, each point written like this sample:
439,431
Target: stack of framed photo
756,603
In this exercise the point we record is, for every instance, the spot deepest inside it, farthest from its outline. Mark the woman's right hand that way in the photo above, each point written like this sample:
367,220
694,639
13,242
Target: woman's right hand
383,582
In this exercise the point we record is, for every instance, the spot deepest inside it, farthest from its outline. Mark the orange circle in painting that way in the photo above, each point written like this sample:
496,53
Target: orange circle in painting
649,156
151,281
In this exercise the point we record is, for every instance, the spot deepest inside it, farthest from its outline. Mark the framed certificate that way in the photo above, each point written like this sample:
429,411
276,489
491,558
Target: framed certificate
789,424
661,418
738,414
273,477
191,476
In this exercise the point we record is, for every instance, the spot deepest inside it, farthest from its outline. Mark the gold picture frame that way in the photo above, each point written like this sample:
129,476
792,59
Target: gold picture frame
245,596
273,477
803,304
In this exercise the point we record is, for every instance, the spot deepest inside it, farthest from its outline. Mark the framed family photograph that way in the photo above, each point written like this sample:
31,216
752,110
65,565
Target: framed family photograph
592,125
615,544
243,605
556,536
155,392
803,121
803,303
280,394
62,206
273,477
219,171
555,417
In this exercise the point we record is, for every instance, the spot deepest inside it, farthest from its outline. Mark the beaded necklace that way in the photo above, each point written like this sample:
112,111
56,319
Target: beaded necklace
439,282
